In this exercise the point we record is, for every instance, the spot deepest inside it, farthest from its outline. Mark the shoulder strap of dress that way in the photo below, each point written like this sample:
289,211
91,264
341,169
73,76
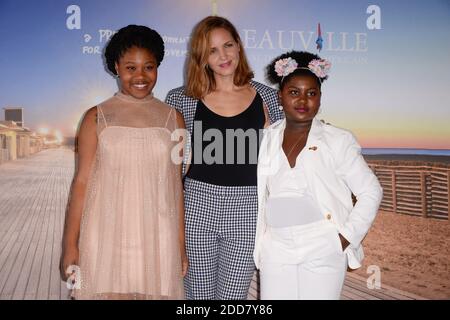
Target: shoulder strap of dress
172,110
100,111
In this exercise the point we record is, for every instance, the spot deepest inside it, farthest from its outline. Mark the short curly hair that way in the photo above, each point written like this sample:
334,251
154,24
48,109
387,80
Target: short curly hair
133,36
303,58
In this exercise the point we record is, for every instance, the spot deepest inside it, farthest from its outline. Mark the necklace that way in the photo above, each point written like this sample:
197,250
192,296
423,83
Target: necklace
296,143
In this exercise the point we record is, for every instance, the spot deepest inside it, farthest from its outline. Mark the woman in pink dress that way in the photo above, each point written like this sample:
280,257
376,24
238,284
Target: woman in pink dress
124,228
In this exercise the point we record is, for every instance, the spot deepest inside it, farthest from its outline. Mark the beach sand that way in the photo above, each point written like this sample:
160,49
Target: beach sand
413,253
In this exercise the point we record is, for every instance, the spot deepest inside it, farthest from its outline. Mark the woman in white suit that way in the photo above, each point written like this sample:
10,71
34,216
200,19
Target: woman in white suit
308,229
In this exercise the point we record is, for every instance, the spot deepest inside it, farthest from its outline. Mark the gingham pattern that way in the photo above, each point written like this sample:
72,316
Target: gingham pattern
220,221
187,107
220,235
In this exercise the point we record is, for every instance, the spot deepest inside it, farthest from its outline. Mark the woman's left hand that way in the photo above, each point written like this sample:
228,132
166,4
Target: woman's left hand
184,263
344,242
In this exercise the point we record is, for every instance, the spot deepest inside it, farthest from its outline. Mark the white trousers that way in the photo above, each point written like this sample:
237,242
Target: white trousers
304,262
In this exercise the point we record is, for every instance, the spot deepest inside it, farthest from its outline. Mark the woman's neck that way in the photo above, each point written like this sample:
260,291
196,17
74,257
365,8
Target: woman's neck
298,127
127,97
225,84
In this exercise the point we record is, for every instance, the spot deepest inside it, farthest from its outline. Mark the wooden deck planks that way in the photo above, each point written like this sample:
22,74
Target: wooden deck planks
33,197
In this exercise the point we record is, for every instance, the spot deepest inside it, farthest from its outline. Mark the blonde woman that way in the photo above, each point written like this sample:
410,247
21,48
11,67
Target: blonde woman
220,100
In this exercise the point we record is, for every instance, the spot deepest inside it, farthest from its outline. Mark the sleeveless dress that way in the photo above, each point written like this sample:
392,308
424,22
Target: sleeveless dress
129,247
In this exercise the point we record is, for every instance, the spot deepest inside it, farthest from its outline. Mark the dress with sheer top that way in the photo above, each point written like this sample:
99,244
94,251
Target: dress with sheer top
129,234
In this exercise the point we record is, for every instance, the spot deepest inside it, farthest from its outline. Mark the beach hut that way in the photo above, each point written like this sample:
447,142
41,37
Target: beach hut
9,139
4,143
24,143
36,143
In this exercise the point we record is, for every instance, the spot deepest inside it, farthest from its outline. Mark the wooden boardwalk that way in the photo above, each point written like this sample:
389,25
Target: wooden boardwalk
33,197
355,288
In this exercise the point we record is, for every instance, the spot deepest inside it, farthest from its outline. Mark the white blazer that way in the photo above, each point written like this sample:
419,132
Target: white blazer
334,168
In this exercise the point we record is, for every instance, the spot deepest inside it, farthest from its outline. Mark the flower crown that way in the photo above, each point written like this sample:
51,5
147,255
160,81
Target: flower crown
320,67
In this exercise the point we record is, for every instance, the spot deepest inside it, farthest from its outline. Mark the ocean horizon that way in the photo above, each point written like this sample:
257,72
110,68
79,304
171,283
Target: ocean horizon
405,151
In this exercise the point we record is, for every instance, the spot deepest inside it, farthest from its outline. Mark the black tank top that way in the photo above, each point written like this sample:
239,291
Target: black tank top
225,149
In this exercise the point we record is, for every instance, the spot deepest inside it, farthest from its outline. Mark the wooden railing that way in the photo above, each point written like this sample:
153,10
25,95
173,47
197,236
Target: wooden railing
421,190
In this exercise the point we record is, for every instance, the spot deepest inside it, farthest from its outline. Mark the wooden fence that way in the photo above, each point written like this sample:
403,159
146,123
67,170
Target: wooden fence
421,190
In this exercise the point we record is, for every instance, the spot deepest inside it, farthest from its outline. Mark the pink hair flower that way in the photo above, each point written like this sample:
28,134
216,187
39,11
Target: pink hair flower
320,67
284,67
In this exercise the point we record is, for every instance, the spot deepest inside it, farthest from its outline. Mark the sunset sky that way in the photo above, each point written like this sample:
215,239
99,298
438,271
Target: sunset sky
392,93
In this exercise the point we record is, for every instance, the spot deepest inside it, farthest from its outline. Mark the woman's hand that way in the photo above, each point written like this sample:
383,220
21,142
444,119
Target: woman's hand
69,257
184,263
344,242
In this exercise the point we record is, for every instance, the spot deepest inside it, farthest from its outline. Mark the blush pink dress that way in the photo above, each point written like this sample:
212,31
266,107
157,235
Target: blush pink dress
129,247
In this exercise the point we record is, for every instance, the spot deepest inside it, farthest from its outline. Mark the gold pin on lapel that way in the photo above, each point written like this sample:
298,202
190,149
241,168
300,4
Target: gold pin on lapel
313,148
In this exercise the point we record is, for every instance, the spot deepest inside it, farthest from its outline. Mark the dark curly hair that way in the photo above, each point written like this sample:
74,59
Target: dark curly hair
303,58
133,36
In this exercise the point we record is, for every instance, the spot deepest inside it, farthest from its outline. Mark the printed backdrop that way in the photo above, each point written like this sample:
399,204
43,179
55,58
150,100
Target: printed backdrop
391,59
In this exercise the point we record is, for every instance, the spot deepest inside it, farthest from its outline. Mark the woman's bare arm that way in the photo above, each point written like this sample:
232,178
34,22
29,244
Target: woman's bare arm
87,146
181,235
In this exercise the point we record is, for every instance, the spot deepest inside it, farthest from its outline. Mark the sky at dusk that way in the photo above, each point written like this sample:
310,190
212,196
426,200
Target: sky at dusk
389,85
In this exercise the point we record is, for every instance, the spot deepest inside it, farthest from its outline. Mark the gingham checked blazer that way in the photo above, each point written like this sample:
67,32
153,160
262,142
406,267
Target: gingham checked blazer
187,106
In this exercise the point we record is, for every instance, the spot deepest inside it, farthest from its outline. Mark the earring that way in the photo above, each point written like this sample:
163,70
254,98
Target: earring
280,107
117,76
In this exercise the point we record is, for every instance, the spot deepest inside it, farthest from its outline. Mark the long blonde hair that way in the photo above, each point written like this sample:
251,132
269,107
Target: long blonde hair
200,78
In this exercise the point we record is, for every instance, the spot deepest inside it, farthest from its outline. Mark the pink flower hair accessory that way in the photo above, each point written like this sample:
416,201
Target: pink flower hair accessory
286,66
320,67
